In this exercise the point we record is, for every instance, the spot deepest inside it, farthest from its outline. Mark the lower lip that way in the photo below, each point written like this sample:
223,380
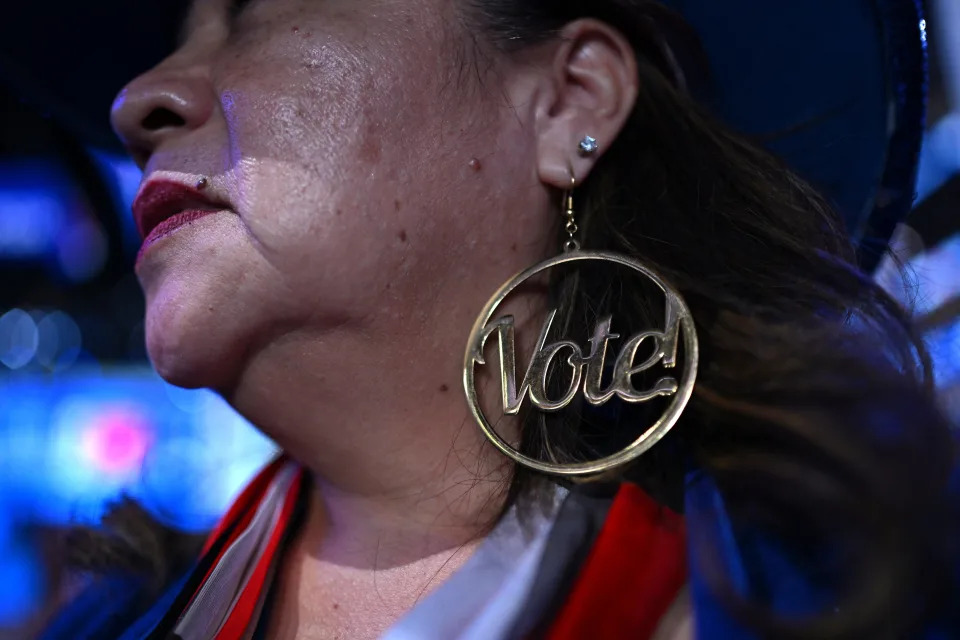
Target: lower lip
170,225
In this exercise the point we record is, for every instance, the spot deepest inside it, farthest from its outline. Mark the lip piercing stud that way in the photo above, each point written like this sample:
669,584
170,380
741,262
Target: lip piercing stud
202,183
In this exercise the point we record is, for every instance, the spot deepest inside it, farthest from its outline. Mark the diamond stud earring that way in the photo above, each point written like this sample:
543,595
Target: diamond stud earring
588,146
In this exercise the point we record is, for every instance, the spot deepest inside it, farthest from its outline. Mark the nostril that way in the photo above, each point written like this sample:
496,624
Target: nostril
161,118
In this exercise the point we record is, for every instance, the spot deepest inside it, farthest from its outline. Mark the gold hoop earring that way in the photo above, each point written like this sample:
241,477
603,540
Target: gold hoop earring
586,372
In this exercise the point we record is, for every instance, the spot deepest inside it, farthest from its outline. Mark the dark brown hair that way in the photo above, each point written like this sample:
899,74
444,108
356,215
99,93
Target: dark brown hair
813,411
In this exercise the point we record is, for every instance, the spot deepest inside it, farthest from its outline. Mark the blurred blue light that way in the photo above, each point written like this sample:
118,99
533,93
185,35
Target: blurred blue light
21,584
73,443
58,432
45,218
193,502
29,221
19,338
125,177
939,156
944,346
33,207
188,400
6,526
59,341
81,250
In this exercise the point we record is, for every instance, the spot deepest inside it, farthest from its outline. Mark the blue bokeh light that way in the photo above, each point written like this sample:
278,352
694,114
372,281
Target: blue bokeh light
45,220
19,338
124,177
73,443
21,582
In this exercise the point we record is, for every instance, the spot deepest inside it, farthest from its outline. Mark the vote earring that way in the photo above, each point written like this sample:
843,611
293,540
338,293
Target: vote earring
586,373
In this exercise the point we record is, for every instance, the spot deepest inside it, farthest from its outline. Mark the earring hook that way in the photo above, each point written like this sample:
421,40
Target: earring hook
571,244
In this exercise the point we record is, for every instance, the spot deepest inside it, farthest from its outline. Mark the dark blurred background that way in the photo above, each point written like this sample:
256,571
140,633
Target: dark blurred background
83,418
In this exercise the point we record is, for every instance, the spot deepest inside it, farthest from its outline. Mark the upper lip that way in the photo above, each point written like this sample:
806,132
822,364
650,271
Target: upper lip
161,199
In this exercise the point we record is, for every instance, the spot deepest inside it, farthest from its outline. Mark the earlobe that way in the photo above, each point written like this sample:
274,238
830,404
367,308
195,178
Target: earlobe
594,77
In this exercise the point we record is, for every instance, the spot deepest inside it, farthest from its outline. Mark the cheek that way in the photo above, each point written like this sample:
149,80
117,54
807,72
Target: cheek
291,101
293,127
355,175
333,248
331,97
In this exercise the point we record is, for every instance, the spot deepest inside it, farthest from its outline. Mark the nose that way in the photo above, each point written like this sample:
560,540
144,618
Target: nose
159,105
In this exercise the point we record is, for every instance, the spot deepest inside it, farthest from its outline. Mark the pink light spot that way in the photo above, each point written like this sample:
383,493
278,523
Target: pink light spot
116,440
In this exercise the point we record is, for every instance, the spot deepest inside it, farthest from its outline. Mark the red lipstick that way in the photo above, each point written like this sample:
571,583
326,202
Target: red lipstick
163,206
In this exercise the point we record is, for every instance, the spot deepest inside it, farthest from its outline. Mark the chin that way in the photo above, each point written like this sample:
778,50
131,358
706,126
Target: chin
182,362
189,348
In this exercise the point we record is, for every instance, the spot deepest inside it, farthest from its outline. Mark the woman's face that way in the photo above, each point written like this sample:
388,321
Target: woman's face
374,189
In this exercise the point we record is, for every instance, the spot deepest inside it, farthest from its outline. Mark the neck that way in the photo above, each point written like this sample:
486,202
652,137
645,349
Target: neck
401,471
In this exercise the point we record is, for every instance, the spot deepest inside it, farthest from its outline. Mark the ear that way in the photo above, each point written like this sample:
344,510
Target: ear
593,91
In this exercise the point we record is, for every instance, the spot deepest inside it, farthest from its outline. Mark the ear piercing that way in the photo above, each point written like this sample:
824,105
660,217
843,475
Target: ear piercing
588,146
